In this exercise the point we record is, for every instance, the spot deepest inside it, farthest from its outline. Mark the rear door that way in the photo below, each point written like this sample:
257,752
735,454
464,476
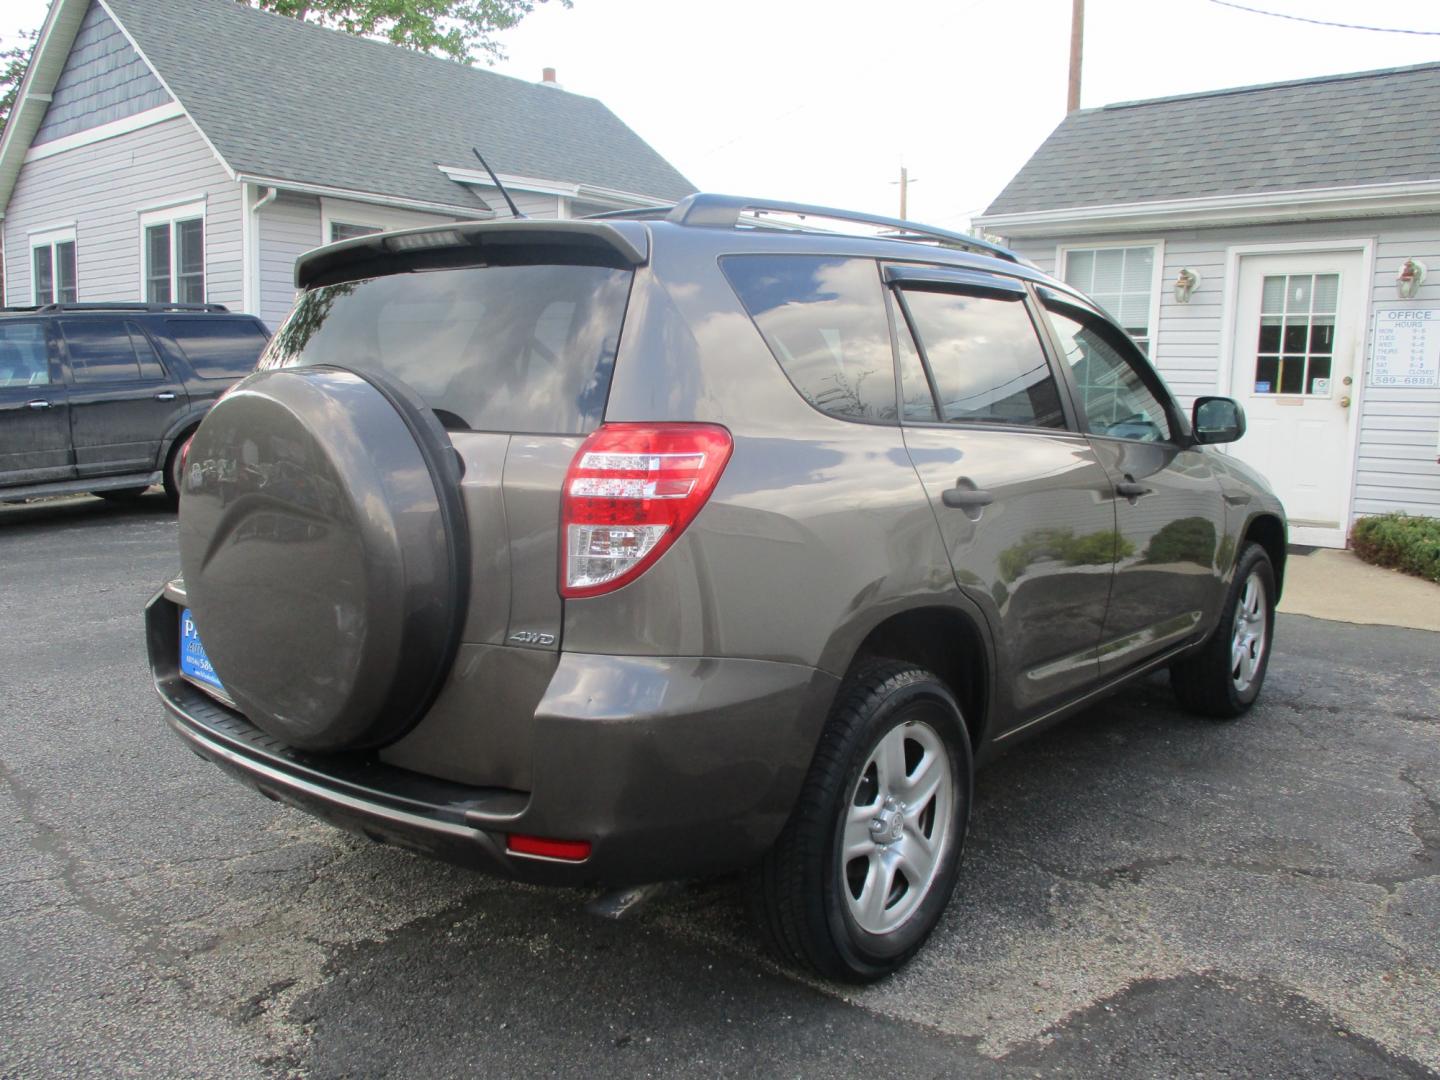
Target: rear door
1169,510
123,399
34,407
1021,497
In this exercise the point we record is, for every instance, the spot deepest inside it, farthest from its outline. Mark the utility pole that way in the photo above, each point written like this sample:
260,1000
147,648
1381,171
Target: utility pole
905,183
1077,47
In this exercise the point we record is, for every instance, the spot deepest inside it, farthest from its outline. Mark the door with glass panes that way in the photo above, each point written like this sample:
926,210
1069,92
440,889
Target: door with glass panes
1297,335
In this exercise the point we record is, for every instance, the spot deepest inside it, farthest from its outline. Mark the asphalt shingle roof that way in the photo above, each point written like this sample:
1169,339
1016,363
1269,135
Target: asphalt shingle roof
1367,128
287,100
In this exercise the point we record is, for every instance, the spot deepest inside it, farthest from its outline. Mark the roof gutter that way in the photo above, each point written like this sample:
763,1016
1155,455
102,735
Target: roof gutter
423,205
1304,204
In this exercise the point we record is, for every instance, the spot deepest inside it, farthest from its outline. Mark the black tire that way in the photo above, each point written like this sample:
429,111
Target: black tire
797,893
121,495
172,468
1208,682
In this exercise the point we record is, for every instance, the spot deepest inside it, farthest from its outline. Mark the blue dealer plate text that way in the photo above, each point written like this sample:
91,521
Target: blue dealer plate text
194,664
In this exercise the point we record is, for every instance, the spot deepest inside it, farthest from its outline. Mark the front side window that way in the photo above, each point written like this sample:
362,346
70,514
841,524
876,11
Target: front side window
24,358
823,317
984,357
1121,280
174,249
1113,395
52,267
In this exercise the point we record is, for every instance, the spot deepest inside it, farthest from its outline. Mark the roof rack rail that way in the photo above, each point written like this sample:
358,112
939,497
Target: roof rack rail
724,211
129,305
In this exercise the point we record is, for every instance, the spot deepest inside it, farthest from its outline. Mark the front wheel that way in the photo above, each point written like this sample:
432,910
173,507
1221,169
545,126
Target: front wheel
1224,678
867,862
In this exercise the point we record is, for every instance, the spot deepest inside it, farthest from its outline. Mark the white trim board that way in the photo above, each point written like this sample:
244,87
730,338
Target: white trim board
469,213
535,185
1366,246
1304,204
89,136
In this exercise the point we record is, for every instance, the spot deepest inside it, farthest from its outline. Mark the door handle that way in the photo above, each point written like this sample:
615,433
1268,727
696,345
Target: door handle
165,395
963,498
1132,490
38,403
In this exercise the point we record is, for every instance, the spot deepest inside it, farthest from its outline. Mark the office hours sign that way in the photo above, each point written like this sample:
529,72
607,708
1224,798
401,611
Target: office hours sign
1407,349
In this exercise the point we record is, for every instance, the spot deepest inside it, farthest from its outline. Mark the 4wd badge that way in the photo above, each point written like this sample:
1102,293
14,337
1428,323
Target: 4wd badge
532,637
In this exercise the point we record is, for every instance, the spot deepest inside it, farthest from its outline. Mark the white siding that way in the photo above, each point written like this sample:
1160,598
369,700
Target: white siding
293,224
288,227
1396,466
102,188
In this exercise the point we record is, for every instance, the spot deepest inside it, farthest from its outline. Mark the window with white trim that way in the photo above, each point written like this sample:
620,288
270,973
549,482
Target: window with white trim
52,267
344,230
1119,279
172,245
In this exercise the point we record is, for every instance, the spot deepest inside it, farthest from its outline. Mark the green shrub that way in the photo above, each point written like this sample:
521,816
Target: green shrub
1411,544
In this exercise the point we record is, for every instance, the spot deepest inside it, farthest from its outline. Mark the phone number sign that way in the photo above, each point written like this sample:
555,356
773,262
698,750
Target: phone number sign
1407,348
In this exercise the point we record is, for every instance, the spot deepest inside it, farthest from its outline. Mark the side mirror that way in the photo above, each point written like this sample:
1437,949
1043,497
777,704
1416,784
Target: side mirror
1217,420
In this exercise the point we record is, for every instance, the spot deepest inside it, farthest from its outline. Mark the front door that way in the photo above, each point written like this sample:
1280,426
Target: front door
1024,504
1297,337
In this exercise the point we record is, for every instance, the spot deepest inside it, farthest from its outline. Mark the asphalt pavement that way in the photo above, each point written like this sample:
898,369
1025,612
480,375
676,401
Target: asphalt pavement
1145,893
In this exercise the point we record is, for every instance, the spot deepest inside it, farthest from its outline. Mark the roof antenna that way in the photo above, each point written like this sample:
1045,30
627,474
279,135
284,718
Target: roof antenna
513,208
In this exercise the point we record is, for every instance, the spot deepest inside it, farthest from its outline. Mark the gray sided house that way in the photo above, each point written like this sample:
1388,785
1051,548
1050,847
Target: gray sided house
189,150
1265,243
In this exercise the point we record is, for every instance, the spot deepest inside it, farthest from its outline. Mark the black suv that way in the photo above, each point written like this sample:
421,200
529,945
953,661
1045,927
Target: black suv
103,397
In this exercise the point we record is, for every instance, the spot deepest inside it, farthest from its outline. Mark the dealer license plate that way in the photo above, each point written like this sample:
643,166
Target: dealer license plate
194,664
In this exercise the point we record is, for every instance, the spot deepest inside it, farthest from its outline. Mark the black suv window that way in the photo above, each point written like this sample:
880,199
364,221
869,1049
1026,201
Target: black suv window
1113,395
24,358
491,348
985,357
824,319
218,348
100,350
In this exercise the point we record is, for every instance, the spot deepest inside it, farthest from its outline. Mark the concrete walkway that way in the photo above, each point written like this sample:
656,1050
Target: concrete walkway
1331,584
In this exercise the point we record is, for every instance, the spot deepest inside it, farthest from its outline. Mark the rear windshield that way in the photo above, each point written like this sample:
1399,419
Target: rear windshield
499,348
218,348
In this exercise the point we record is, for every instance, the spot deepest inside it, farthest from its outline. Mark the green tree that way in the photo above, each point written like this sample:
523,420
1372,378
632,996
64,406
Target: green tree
463,30
14,59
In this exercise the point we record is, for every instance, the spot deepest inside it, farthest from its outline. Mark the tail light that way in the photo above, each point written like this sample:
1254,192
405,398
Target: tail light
630,492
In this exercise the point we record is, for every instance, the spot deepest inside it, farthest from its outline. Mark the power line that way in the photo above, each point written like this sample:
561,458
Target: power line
1323,22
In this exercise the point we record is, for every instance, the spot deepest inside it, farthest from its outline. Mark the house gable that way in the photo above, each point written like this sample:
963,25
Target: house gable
104,80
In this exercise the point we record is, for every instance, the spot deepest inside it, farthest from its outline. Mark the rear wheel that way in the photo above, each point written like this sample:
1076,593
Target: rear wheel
867,862
1225,677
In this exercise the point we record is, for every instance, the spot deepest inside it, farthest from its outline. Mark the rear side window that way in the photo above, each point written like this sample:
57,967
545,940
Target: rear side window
985,358
101,350
218,348
498,348
824,319
24,359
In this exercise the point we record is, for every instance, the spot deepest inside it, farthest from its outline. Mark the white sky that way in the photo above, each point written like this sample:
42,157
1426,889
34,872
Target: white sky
823,102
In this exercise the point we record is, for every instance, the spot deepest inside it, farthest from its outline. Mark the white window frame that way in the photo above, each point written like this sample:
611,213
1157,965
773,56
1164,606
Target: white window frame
386,219
1157,279
172,214
50,237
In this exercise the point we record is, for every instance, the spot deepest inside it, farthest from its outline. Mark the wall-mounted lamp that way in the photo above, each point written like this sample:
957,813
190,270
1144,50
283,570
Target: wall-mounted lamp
1186,282
1407,281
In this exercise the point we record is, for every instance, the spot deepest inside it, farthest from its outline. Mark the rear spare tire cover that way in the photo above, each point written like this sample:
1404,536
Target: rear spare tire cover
325,554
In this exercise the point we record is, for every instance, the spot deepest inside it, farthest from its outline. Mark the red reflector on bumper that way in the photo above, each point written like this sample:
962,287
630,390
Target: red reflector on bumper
569,850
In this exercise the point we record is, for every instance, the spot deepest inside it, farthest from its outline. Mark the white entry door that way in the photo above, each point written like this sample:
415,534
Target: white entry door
1297,340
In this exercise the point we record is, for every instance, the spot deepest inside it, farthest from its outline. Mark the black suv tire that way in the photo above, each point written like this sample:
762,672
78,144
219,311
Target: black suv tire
1209,682
799,893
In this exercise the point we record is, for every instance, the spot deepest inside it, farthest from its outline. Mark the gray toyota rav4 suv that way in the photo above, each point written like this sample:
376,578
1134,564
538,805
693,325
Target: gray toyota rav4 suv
697,540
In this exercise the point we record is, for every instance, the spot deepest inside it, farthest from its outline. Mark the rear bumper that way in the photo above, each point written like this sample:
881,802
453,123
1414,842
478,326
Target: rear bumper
669,767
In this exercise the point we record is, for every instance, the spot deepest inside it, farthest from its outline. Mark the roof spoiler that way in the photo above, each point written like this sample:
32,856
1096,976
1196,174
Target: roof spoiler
472,243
